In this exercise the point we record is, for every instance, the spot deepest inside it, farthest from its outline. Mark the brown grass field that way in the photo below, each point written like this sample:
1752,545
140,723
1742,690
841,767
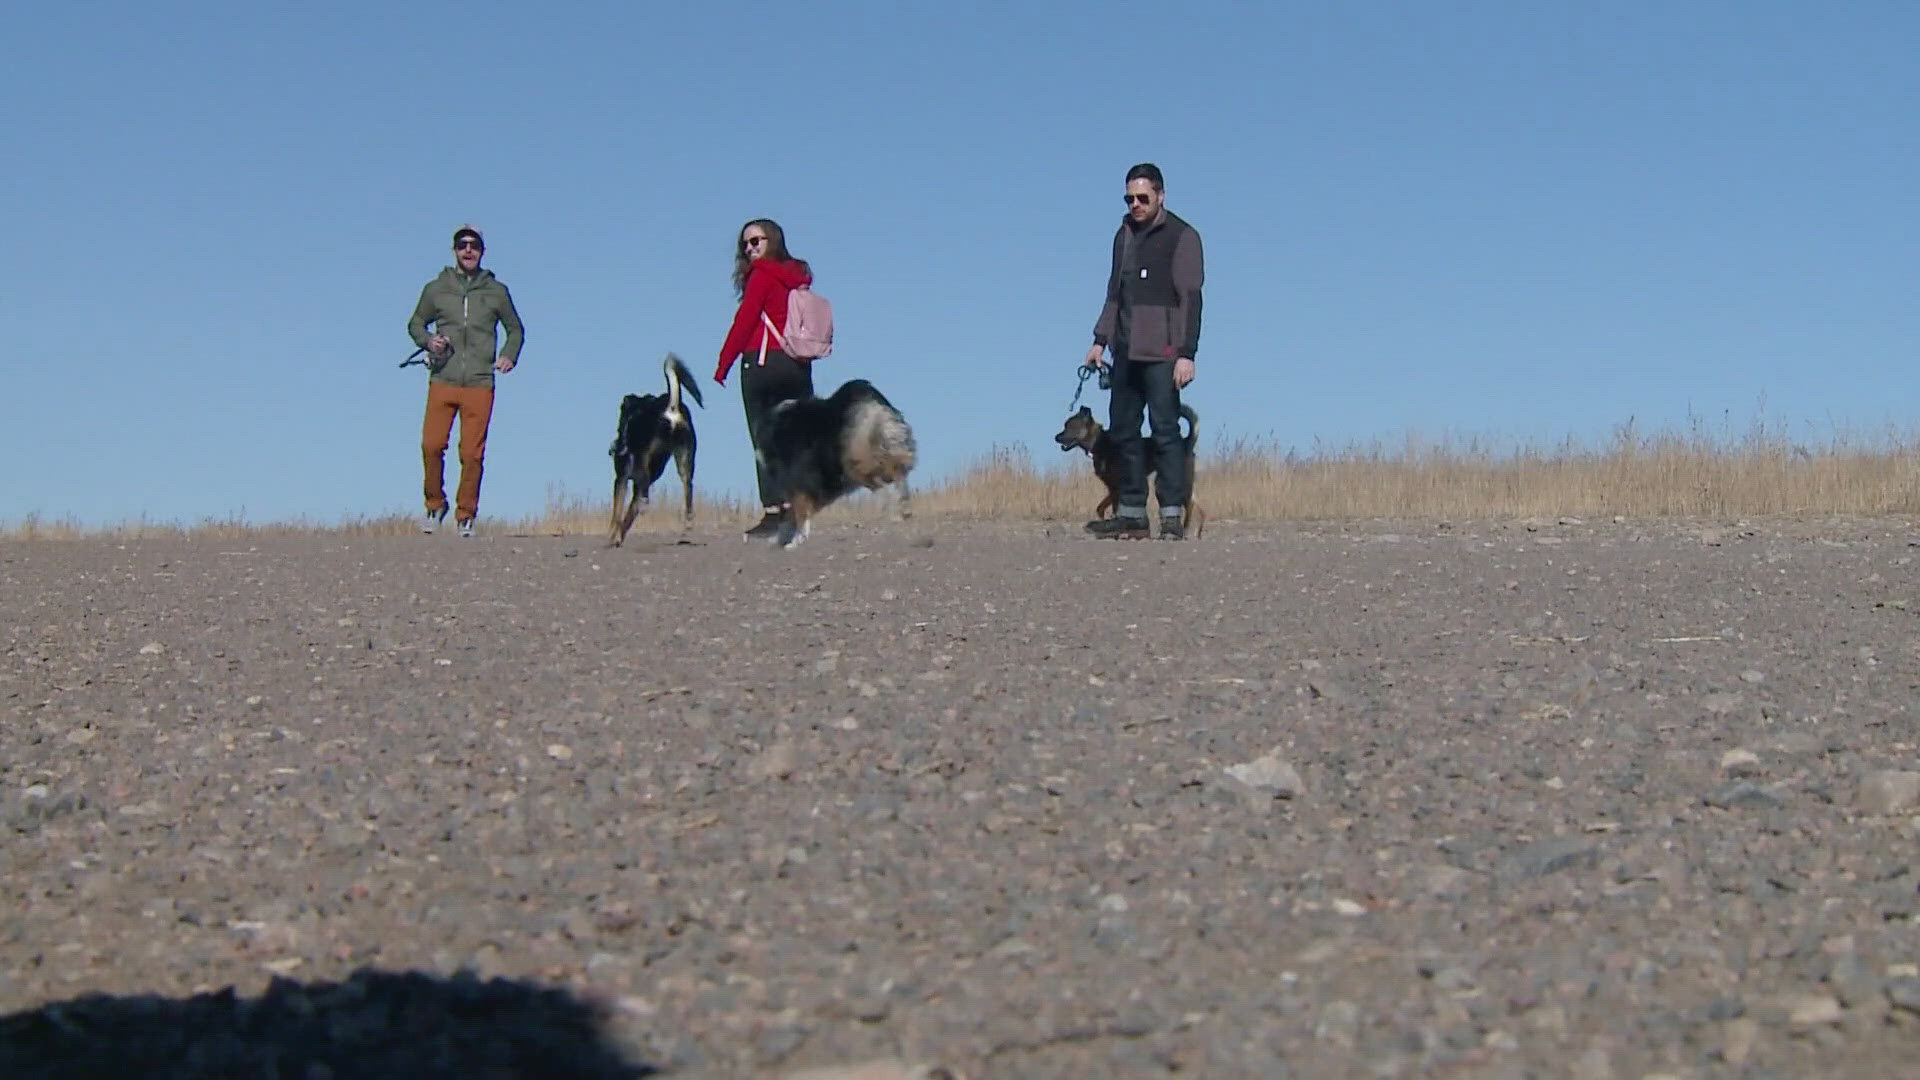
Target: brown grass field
1693,474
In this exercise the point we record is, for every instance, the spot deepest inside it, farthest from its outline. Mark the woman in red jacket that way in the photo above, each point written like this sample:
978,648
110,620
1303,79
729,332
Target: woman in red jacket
764,273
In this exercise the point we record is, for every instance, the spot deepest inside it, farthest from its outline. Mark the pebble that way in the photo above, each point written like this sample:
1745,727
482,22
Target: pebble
1904,992
1339,1024
1446,882
1737,1039
1814,1010
1742,795
1740,761
1270,773
1544,857
885,1069
1889,792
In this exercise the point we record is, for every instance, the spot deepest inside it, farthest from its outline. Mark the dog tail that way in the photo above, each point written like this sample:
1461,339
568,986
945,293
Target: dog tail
880,444
679,380
1193,428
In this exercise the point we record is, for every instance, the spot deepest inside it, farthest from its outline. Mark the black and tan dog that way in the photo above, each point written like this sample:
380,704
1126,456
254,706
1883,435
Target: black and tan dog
1083,432
653,428
818,449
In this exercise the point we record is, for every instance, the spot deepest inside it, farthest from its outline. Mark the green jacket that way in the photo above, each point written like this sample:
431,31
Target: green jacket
467,310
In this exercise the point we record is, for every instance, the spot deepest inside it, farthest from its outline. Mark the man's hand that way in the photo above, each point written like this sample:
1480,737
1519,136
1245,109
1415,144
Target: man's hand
438,344
1182,373
1095,354
503,365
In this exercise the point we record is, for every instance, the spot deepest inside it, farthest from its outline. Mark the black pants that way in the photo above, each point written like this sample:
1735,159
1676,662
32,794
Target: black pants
761,388
1146,386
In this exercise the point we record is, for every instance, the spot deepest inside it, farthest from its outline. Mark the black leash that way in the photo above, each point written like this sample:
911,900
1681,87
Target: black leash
410,357
1106,383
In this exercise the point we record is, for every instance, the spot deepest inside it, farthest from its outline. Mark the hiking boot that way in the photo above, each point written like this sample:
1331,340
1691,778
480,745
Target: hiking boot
432,520
1118,528
1171,529
768,526
466,529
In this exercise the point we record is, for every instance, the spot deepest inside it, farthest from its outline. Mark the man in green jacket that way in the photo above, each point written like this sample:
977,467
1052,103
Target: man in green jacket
464,306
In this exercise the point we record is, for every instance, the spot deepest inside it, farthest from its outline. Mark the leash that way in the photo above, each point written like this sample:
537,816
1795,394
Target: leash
410,357
1106,383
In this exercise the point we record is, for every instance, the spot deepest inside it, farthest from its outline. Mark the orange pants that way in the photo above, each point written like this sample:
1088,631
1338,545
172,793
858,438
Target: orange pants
474,405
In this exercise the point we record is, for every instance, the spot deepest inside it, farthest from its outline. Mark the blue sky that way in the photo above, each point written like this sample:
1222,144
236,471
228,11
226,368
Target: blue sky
1509,220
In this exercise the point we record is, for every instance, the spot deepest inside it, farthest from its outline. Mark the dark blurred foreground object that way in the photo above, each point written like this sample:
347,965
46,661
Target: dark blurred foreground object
410,1026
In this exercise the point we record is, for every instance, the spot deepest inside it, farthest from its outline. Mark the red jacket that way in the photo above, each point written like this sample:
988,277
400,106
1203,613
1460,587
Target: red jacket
768,283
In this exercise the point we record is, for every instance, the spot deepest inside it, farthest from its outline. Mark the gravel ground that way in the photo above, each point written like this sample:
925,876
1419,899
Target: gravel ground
1350,799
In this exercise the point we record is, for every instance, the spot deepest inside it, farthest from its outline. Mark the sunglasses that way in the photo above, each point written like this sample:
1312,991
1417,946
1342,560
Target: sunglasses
753,241
1140,200
467,245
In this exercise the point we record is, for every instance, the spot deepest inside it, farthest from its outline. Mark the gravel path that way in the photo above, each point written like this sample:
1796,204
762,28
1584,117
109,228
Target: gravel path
1357,799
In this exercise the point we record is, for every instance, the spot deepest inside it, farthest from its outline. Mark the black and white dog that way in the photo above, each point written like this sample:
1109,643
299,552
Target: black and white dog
653,427
817,449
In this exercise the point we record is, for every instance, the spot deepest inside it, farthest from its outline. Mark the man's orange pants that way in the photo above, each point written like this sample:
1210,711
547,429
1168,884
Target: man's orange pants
474,406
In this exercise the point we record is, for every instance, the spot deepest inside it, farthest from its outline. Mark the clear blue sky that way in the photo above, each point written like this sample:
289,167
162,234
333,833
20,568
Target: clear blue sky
1517,220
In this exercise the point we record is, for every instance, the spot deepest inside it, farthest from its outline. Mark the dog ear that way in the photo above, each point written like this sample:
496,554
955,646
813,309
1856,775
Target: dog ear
1086,411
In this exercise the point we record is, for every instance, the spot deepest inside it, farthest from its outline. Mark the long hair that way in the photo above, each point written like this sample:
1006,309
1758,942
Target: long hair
776,249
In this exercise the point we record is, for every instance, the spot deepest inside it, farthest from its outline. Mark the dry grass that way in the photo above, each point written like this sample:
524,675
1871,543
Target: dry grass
1696,474
1693,474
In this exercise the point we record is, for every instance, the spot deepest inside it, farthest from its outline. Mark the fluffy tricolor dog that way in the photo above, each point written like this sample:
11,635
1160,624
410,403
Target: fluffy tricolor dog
653,428
817,449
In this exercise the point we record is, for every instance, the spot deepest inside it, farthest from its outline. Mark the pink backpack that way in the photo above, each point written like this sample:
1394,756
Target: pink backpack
809,332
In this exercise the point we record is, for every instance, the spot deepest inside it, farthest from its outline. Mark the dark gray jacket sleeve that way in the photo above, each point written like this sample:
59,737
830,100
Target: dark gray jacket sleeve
1104,327
1189,274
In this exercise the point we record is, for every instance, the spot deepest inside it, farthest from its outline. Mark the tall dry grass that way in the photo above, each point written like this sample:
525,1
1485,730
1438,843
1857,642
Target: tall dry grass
1695,473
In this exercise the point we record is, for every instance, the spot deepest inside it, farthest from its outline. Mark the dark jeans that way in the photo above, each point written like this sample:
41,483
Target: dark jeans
761,388
1146,386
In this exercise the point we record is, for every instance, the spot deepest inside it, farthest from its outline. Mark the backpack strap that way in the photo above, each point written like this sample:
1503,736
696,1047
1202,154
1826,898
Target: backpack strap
771,329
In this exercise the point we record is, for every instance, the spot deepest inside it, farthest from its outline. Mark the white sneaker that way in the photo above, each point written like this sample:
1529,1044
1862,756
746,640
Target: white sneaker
466,529
431,521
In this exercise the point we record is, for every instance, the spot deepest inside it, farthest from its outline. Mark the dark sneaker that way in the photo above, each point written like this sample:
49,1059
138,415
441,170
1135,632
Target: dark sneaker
1171,529
1119,528
767,527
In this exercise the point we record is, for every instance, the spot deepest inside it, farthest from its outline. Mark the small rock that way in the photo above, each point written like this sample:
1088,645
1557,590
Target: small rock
1595,1064
1446,882
1740,761
1814,1010
1719,703
1889,792
1751,676
1349,908
1737,1039
559,752
152,648
1904,992
1270,773
1742,795
1544,857
1339,1024
776,762
887,1069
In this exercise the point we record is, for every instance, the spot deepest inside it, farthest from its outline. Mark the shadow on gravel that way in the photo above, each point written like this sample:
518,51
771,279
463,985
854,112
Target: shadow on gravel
376,1024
